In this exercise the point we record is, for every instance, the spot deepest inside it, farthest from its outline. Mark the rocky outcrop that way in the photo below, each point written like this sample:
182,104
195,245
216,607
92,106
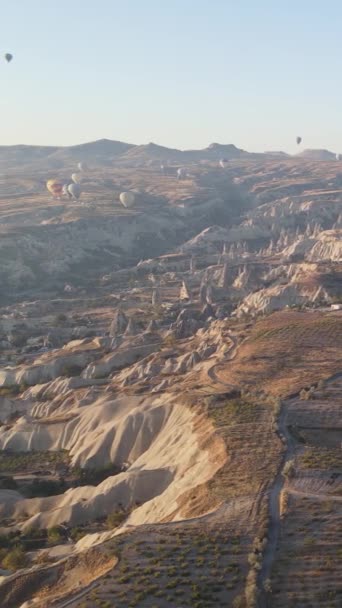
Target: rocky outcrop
119,324
156,299
152,327
44,372
157,440
207,312
273,298
184,293
121,358
224,278
132,328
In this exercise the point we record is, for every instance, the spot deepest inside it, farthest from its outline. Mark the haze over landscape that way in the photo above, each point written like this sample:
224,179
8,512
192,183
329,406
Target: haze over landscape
170,305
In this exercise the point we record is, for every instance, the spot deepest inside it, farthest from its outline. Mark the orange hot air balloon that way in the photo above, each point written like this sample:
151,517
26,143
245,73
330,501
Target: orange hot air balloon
55,187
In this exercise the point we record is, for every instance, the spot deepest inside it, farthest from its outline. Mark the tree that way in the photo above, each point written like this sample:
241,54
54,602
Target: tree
55,535
115,519
15,559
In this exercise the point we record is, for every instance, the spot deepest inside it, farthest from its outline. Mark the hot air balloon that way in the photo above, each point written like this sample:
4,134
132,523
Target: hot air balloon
338,156
76,178
181,173
65,191
82,167
8,57
55,187
127,199
223,163
74,190
298,140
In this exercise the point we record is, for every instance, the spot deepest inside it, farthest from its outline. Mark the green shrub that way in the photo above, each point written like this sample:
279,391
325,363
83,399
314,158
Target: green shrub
15,559
115,519
55,534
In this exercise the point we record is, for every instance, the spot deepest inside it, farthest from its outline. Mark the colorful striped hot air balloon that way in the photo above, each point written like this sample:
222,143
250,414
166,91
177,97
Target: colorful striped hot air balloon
55,187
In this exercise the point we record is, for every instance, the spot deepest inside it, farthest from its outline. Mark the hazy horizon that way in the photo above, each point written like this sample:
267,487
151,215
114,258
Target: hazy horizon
181,75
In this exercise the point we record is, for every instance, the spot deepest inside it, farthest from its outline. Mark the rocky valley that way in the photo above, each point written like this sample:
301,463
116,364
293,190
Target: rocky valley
170,379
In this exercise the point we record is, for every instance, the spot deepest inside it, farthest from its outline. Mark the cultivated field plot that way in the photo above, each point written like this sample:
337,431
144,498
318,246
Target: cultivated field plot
286,352
315,421
189,565
306,571
253,448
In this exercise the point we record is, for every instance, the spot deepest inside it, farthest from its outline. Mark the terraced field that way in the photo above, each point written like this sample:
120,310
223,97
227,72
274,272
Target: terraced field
284,352
308,560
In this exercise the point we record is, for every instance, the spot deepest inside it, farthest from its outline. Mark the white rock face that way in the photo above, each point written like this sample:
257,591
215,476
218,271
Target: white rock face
118,360
44,372
212,239
327,246
184,292
155,437
274,298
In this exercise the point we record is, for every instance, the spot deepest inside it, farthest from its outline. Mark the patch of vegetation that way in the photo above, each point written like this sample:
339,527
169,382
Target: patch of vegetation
234,411
44,487
15,559
321,458
173,556
116,518
92,476
56,535
20,462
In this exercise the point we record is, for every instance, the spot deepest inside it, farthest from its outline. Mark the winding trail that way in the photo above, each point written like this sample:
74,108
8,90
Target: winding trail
230,355
292,448
278,484
274,506
75,598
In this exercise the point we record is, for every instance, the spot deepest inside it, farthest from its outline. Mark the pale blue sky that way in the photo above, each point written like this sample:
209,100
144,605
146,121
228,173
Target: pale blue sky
181,73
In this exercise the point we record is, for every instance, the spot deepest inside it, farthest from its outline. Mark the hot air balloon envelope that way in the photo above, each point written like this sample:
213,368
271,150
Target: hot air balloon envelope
181,173
74,190
55,187
298,140
8,57
76,178
223,162
82,167
127,199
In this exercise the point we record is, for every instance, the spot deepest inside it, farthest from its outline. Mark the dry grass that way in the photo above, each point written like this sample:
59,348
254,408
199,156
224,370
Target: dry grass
321,458
286,351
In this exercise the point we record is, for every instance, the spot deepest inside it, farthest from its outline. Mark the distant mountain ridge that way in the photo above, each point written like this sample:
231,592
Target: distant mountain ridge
317,154
106,151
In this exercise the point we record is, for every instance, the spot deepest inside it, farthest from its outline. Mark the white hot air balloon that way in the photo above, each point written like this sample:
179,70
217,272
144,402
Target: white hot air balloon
65,191
82,167
181,173
127,199
76,178
74,190
223,163
338,156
